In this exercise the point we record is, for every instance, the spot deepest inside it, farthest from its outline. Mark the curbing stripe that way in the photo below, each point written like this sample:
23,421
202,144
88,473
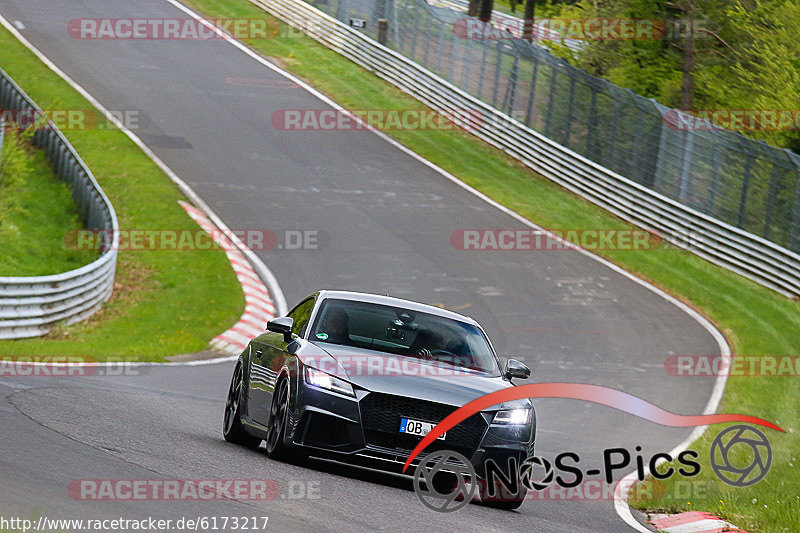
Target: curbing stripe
256,295
692,522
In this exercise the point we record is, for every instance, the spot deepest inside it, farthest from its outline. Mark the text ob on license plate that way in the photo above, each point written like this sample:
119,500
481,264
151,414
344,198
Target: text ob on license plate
417,427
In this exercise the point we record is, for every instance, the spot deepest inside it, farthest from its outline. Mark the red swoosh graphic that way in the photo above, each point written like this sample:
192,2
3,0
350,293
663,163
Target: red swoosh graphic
579,391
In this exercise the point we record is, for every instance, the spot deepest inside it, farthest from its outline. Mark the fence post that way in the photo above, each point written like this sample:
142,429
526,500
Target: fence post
550,99
499,64
688,146
569,109
511,88
591,131
532,93
716,164
773,191
745,185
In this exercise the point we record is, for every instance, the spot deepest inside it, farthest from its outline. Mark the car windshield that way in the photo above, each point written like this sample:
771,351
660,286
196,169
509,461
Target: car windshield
403,332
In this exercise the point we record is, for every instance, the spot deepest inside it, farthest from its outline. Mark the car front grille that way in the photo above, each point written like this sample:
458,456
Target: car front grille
381,414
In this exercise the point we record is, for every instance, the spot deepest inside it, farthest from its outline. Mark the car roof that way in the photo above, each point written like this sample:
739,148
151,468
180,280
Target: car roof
395,302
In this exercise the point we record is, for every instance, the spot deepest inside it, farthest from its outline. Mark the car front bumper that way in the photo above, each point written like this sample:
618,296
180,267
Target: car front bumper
365,430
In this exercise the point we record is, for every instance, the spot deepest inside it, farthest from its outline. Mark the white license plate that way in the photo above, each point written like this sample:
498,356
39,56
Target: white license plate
417,427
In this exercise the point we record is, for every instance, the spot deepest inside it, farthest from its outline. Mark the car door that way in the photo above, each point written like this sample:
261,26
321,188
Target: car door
269,356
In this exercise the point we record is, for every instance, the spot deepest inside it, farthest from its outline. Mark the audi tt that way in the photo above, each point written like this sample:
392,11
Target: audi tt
362,378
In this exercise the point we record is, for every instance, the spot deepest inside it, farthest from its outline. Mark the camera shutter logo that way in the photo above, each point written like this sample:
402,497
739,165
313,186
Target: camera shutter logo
738,437
526,473
440,462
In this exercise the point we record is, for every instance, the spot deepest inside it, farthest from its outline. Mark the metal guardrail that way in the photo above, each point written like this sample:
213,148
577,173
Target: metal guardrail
2,134
738,250
30,306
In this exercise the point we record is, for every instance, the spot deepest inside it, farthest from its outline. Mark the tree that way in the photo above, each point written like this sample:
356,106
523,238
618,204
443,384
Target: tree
485,10
530,20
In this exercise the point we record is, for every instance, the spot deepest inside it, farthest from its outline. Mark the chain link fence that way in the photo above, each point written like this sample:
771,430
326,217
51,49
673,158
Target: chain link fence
743,182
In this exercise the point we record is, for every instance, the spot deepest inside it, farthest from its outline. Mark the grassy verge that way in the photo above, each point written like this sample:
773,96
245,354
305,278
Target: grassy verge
756,321
36,208
164,302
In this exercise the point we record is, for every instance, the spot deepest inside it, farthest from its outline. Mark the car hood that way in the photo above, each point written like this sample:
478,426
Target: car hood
405,376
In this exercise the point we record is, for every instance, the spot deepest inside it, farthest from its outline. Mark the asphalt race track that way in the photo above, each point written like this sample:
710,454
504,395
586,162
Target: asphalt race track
385,221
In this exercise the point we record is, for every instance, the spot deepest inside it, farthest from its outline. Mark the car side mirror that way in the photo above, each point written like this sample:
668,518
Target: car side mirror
517,369
283,325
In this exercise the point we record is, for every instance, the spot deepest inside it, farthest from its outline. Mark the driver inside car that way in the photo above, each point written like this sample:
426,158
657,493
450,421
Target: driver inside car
427,343
336,326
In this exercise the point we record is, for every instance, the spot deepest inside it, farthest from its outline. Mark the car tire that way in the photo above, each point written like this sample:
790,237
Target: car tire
508,505
504,499
232,429
277,425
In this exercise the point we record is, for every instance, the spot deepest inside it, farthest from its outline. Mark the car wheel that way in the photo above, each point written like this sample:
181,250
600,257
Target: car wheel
278,420
507,501
507,505
232,428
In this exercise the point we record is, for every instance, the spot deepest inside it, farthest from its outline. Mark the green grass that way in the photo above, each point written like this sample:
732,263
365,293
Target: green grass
36,209
164,302
755,320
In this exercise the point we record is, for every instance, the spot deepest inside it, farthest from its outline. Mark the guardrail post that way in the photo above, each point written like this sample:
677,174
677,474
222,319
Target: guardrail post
383,31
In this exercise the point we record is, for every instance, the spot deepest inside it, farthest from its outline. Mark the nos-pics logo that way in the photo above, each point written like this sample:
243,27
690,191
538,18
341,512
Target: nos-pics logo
446,481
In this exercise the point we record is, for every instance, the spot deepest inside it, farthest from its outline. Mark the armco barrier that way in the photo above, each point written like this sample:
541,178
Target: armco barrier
738,250
30,306
2,134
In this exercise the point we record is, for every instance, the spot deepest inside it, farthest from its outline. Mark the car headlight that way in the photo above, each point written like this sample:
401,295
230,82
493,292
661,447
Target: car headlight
326,381
513,416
